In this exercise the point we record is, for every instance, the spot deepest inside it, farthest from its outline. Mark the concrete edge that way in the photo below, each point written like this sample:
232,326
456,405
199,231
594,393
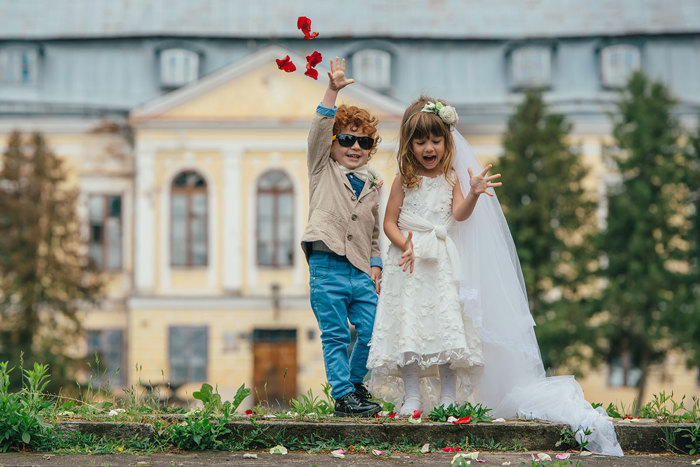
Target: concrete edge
530,435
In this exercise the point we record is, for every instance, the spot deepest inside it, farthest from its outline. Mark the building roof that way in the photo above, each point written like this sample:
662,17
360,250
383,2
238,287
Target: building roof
438,19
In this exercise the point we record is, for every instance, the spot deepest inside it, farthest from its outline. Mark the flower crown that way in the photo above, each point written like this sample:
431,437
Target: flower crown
447,113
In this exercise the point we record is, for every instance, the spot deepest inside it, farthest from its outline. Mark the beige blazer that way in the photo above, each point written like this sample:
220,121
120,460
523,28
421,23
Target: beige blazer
347,224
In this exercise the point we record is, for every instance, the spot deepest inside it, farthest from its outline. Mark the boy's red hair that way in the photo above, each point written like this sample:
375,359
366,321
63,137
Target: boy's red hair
357,119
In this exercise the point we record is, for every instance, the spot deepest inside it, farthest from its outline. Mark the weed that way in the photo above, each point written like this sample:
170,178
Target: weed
478,413
693,436
22,423
310,404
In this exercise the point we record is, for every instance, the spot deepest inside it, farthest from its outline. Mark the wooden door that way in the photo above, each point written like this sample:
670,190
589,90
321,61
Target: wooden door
274,367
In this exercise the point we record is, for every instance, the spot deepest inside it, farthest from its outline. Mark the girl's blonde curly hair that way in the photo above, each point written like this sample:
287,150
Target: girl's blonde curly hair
421,125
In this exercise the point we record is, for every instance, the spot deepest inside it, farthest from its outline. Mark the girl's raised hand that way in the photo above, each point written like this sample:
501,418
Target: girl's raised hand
336,77
480,183
407,257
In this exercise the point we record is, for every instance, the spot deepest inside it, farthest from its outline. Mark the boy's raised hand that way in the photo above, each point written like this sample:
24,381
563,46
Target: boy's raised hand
480,183
336,77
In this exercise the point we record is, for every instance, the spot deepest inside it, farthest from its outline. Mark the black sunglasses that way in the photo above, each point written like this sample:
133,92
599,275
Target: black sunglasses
348,141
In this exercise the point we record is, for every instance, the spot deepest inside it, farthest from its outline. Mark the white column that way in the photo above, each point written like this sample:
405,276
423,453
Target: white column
144,240
233,212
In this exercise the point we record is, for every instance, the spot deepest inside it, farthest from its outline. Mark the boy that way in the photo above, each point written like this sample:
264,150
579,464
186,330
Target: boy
341,241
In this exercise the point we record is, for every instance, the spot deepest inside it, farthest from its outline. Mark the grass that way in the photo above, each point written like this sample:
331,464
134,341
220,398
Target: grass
30,416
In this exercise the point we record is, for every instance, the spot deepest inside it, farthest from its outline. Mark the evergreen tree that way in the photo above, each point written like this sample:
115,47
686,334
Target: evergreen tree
551,217
646,238
45,274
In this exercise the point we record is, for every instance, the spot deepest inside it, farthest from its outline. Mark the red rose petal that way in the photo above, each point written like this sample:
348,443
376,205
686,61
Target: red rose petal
448,449
463,420
311,72
392,415
286,64
249,412
314,59
304,24
416,414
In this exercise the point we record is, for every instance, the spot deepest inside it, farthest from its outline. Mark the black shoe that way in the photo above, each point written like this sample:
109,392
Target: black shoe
352,406
362,392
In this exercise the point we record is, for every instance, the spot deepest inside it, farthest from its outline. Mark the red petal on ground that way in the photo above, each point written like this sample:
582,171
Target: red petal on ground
392,415
249,412
286,64
314,59
448,449
311,72
463,420
416,414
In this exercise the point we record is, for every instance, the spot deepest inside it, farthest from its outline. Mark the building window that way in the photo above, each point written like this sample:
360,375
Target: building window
372,67
106,231
623,375
275,220
617,63
188,349
19,66
531,67
188,225
106,356
178,67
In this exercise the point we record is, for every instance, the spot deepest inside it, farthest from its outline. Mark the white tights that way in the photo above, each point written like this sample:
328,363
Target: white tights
410,373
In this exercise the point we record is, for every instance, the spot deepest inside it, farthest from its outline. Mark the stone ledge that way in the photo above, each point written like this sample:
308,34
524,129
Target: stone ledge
531,435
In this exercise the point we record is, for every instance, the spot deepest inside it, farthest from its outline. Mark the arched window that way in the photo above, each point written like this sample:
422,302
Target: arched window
178,67
188,220
275,220
617,63
372,67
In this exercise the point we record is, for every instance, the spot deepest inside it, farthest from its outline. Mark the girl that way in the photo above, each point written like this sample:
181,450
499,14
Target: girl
453,310
420,326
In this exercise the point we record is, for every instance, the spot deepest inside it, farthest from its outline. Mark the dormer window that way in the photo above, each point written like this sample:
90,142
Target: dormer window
178,67
372,67
19,66
531,67
617,63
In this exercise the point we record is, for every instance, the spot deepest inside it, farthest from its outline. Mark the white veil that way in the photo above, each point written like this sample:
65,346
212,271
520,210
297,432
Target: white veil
513,382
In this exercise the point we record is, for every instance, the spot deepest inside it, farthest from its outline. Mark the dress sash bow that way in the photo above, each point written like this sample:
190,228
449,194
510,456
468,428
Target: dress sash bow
427,237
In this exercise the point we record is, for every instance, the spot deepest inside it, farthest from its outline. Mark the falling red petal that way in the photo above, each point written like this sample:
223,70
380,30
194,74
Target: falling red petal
311,72
304,23
314,59
286,64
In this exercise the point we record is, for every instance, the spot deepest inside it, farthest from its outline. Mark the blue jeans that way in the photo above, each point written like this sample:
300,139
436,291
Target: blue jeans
341,292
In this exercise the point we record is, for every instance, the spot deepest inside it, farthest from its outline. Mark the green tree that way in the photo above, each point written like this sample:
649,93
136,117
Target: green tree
45,274
646,240
551,217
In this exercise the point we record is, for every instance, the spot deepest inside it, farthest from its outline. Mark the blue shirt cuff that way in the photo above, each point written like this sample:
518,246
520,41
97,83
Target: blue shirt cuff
376,261
326,111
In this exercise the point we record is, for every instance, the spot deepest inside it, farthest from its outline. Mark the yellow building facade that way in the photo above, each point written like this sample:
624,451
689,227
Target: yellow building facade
206,205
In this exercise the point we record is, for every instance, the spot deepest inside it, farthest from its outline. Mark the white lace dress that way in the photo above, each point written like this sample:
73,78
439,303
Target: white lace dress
419,317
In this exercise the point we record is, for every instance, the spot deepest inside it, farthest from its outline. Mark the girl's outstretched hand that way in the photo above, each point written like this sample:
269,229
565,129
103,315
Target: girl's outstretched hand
407,257
480,183
336,77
